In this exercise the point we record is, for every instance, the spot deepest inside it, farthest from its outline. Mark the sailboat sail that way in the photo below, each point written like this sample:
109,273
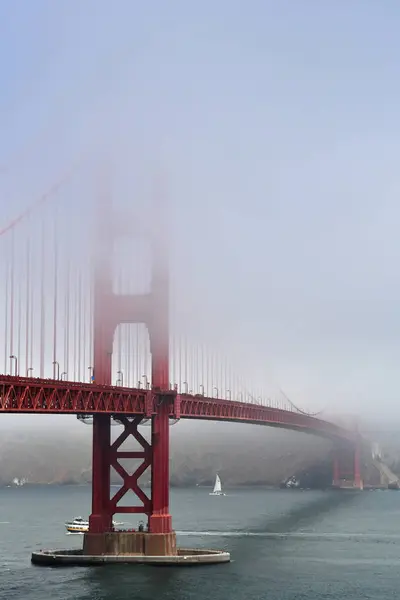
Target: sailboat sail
217,486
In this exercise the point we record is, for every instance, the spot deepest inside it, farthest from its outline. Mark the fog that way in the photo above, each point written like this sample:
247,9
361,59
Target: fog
273,127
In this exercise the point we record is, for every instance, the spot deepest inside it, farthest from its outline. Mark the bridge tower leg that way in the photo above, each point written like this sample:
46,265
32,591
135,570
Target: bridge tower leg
100,520
358,482
336,472
162,539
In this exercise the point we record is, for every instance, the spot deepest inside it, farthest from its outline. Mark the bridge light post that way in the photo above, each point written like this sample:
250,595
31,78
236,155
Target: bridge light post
121,378
146,381
139,384
28,371
56,364
216,392
13,357
228,393
90,369
185,383
201,387
62,375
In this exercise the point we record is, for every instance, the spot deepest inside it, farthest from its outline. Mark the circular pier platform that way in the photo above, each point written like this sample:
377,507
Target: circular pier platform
184,557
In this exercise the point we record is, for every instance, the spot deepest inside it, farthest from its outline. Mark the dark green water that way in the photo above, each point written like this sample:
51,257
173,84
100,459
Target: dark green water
285,545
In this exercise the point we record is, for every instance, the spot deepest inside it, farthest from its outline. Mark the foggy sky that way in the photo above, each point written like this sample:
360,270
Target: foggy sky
276,125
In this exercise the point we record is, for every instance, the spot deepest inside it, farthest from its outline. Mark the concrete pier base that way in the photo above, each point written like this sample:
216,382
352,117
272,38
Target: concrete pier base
130,542
343,484
75,558
129,547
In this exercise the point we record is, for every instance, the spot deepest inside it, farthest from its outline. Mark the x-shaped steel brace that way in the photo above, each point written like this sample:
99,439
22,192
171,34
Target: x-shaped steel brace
131,481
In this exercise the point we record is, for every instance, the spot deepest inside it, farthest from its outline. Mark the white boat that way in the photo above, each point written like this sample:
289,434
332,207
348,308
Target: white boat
79,525
19,482
217,491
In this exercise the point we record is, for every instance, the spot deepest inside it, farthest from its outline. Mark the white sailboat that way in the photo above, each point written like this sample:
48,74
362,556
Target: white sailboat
217,491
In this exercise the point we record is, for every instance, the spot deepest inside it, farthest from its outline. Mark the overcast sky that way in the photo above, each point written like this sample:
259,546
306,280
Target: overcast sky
276,126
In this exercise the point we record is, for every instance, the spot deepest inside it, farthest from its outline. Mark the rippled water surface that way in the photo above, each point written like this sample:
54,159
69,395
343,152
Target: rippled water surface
284,545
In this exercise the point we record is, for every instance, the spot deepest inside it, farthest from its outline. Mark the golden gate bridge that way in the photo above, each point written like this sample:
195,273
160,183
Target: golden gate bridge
89,328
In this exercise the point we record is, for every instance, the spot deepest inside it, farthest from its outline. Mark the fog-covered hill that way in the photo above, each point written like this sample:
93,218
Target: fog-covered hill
242,454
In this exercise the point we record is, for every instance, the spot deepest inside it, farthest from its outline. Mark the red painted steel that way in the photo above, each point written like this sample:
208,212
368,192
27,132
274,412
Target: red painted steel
130,482
198,407
160,520
25,395
43,396
346,464
357,472
100,519
110,310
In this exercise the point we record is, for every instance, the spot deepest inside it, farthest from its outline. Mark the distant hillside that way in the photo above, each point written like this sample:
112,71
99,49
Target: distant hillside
241,454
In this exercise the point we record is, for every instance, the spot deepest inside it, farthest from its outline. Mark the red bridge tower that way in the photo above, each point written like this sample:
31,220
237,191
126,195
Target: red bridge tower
110,310
347,467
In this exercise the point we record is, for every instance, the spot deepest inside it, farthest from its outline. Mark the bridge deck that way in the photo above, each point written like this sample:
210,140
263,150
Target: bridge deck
47,396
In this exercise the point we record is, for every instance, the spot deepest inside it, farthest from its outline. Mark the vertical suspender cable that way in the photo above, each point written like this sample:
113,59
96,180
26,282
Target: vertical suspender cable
7,278
75,321
212,372
179,381
12,275
202,378
67,317
192,374
55,299
84,325
79,357
119,332
91,321
128,350
42,299
132,382
19,320
27,307
137,361
196,370
185,357
225,392
171,375
221,377
31,313
75,334
144,349
224,382
207,372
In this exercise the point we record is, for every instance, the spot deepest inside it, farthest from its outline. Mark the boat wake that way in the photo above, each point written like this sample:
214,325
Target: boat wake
298,534
227,534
